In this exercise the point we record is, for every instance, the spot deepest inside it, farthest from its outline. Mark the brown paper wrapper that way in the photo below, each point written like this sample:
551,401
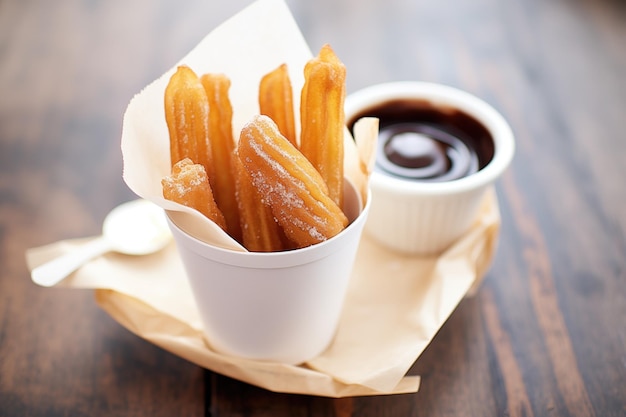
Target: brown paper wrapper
394,307
395,303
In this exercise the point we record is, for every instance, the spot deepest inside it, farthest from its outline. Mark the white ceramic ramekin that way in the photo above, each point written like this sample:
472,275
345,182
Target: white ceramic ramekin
425,218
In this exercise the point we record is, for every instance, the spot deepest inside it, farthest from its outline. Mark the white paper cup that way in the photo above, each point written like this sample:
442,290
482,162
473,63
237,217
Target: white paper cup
423,217
278,306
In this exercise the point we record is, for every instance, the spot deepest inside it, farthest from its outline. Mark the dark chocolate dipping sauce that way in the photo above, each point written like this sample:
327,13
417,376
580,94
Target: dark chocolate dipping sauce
423,142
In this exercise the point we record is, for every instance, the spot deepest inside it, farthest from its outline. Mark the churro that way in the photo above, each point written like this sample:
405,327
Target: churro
187,117
189,185
293,188
272,191
260,232
276,101
322,118
222,145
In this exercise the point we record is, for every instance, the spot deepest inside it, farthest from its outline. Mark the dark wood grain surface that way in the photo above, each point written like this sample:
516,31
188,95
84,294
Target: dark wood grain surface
544,336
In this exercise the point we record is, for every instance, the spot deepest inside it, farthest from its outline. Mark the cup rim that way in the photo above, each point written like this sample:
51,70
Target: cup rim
501,132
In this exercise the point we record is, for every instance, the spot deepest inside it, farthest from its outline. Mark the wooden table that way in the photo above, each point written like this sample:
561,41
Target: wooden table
544,336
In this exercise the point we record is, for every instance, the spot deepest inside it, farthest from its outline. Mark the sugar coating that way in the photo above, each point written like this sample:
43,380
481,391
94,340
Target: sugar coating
295,192
278,190
185,178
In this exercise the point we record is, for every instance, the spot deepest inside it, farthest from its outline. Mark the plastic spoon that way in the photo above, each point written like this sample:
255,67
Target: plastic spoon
137,227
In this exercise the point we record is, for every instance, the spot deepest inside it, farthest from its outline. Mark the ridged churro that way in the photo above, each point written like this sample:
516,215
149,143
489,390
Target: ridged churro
272,191
222,145
260,231
292,186
189,185
187,117
276,101
322,118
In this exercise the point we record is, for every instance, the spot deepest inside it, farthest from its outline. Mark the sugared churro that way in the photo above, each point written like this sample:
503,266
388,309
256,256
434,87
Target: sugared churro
222,144
322,118
276,101
189,185
293,188
187,117
260,232
273,191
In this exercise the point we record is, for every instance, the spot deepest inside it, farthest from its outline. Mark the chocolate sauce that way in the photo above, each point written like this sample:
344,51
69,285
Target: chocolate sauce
424,142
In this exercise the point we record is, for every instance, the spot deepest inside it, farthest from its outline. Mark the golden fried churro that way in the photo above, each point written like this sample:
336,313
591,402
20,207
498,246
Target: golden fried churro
187,117
322,118
260,232
276,101
189,185
291,185
222,144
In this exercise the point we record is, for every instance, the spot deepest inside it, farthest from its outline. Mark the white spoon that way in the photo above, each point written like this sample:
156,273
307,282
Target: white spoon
137,227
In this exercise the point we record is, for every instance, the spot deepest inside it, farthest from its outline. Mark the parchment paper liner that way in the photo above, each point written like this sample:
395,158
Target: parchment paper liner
245,48
394,307
151,297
